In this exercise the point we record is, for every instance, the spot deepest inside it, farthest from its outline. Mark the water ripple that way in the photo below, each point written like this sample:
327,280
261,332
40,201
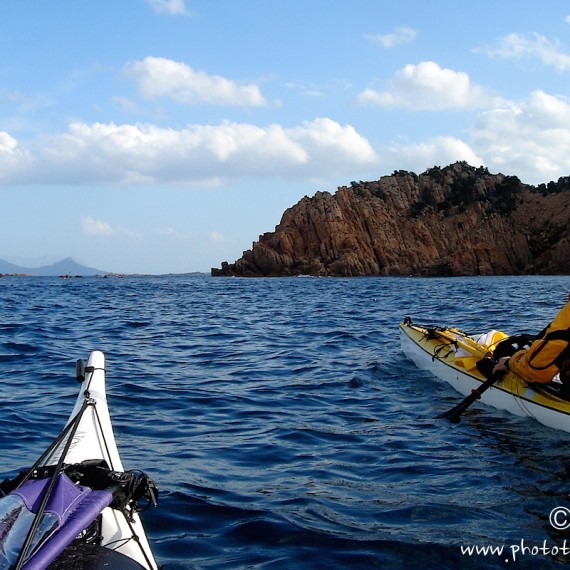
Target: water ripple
281,421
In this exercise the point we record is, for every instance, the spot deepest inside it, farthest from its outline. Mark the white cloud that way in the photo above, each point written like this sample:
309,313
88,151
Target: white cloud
327,142
96,227
437,151
160,77
530,138
127,154
125,104
173,7
132,234
306,90
400,35
518,47
169,233
427,86
15,160
217,237
8,144
91,226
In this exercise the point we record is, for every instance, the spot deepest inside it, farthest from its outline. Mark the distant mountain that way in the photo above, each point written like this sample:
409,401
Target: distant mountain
7,267
66,266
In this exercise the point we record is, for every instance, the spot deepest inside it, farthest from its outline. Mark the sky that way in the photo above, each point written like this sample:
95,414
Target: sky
165,136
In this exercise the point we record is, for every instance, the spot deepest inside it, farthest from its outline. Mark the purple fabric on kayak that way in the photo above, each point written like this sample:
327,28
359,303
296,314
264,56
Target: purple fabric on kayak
65,495
85,512
71,509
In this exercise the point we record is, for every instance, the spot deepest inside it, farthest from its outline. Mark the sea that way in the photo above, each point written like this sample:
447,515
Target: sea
283,424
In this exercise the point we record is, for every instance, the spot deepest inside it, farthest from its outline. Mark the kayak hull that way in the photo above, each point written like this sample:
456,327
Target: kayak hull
443,353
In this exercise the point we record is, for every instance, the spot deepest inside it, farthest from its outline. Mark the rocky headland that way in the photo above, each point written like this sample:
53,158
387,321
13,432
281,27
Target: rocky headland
451,221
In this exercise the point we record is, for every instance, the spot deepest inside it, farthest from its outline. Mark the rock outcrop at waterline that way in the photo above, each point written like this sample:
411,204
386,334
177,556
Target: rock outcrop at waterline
452,221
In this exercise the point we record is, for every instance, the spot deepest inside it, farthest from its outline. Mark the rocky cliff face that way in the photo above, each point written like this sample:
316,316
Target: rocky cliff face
456,220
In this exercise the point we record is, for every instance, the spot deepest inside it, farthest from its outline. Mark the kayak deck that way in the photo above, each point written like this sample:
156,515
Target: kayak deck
452,355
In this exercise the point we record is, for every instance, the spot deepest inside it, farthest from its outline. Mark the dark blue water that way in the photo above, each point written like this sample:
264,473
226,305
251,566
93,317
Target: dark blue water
282,423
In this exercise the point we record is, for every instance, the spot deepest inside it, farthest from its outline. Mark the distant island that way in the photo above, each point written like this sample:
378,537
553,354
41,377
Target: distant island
452,221
65,267
68,267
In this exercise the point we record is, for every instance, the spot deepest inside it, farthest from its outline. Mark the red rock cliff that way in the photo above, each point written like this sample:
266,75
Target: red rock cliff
456,220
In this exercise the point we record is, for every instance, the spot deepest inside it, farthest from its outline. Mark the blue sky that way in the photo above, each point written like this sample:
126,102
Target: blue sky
158,136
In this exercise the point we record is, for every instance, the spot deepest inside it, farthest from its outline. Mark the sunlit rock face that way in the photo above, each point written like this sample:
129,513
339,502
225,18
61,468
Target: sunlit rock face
452,221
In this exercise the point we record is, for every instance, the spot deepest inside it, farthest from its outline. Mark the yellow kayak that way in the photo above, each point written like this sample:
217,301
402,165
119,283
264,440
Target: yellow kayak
452,355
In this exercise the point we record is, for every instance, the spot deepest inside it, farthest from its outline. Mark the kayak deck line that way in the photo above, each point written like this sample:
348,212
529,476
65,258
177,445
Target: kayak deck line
441,351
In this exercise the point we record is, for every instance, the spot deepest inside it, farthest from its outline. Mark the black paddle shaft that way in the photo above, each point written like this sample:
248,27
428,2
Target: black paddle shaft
455,413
